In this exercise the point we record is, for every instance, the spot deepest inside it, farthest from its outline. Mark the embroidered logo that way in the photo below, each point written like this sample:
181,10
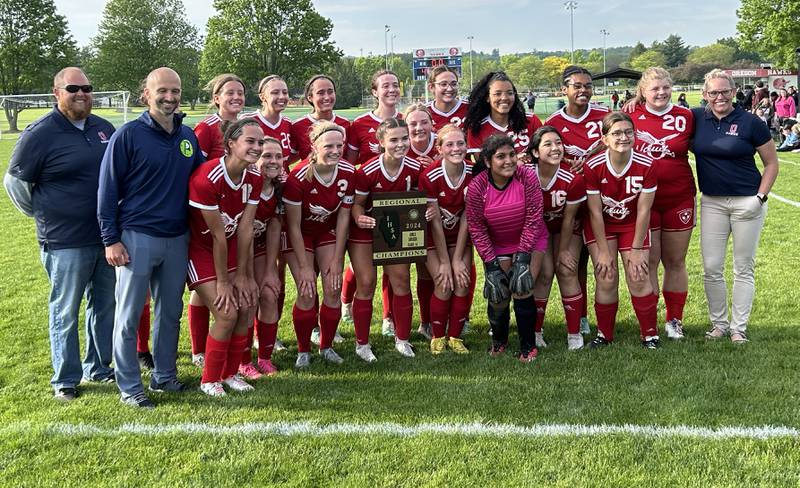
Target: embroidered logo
733,131
685,215
186,148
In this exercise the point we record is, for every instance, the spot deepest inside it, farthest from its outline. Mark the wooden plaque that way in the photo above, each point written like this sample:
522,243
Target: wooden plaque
400,227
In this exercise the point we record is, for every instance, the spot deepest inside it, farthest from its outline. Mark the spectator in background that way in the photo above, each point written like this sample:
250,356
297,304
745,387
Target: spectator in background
740,97
530,101
748,97
791,135
614,100
795,95
785,107
682,100
761,92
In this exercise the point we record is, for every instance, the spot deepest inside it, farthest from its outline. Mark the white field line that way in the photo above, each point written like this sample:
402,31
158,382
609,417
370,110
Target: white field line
312,429
786,161
772,194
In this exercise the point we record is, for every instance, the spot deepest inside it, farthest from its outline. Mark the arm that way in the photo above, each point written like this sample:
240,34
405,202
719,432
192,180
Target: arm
638,256
565,258
306,277
352,154
226,297
113,171
769,157
336,266
605,264
244,280
362,220
460,271
271,279
444,276
19,192
478,228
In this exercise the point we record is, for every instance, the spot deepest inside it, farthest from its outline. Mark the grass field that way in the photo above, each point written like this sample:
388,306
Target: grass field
693,413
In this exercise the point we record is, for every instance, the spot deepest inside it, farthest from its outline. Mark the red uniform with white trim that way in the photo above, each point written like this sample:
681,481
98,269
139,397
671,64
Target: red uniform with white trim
301,128
320,201
665,138
372,177
449,195
563,189
362,136
282,131
490,128
211,188
431,151
581,134
455,116
268,209
209,137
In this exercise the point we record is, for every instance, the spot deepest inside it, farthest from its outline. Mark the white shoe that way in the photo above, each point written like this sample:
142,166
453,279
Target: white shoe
199,360
213,389
540,343
574,342
278,346
364,351
425,331
236,383
303,360
387,329
330,355
585,329
338,339
404,348
315,336
347,312
674,329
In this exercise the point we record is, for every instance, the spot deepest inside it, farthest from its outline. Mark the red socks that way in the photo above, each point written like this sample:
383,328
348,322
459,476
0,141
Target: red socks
646,309
459,310
585,306
304,322
362,318
267,333
473,278
440,310
573,307
388,295
235,348
424,294
247,351
606,317
216,354
198,327
143,333
328,322
675,301
402,309
348,285
541,307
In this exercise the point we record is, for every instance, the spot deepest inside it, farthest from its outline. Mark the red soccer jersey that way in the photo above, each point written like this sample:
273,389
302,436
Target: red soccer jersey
579,135
429,151
266,211
320,200
210,188
362,136
372,177
564,188
665,138
489,128
281,131
455,116
619,192
301,142
448,194
209,137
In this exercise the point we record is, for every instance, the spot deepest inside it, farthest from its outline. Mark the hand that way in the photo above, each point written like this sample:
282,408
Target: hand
424,161
444,277
638,263
630,106
605,266
523,159
365,222
333,274
576,166
247,290
272,284
461,273
117,255
567,260
495,285
520,275
431,212
307,282
226,297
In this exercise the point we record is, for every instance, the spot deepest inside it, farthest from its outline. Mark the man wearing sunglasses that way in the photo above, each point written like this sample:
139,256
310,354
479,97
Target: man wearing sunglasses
52,177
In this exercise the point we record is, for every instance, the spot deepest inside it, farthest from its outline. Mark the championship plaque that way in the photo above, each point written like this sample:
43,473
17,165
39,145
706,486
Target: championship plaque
399,233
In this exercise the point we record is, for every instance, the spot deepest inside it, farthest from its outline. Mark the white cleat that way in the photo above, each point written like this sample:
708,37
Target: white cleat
213,389
278,346
387,329
540,343
330,355
303,360
338,339
674,329
347,312
585,329
315,336
199,360
574,342
236,383
404,348
364,351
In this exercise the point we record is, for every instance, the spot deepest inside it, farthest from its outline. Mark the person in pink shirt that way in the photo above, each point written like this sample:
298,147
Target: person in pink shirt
784,106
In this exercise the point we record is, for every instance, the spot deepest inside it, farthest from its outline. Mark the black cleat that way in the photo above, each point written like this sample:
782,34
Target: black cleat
651,343
65,394
599,342
146,360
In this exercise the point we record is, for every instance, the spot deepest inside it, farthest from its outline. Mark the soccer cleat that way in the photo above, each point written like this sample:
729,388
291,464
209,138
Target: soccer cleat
674,329
540,339
425,331
739,337
716,333
438,345
199,360
138,400
404,348
651,342
266,367
236,383
585,329
315,336
213,389
457,345
145,360
387,329
574,342
303,360
278,345
65,394
527,357
249,371
364,351
337,338
497,349
330,355
170,386
347,312
599,342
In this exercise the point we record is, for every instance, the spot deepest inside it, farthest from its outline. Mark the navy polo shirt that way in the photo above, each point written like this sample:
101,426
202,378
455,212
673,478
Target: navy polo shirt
62,163
724,150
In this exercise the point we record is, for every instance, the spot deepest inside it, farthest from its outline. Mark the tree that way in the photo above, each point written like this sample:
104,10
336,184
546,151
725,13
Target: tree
718,54
674,51
256,38
690,72
648,59
742,57
525,71
553,68
769,27
638,50
136,37
348,83
35,44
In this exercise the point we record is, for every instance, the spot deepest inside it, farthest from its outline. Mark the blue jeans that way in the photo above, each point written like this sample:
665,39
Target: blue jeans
74,272
158,264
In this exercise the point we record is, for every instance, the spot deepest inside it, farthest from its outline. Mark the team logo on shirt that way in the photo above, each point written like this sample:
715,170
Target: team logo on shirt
685,215
616,209
186,148
320,213
654,147
449,219
103,137
259,227
230,224
733,131
375,148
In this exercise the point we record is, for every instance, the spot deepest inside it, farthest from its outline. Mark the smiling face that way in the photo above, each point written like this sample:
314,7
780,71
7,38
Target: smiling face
419,127
658,94
78,105
249,146
445,88
619,137
718,92
270,162
453,147
503,163
550,150
387,90
395,142
230,98
275,95
501,97
578,89
328,147
322,95
163,92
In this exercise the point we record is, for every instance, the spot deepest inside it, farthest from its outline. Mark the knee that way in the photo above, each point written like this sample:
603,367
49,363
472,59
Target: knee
565,274
225,319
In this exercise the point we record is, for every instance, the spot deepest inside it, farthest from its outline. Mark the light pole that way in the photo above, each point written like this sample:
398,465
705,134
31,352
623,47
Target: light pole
571,6
391,51
470,38
605,34
386,46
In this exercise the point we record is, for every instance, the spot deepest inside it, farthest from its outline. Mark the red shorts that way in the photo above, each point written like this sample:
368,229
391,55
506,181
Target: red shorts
554,226
674,216
311,242
624,238
201,266
450,240
359,235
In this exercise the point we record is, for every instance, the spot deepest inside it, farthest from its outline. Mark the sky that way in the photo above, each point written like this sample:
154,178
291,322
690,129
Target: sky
511,26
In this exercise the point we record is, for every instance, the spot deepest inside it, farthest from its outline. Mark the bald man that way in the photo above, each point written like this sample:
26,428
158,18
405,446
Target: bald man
142,208
52,177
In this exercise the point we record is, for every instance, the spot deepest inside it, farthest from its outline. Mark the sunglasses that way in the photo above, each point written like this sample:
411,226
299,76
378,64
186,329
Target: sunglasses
76,88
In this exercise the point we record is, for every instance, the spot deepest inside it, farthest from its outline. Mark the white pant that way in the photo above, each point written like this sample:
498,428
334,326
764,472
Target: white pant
719,218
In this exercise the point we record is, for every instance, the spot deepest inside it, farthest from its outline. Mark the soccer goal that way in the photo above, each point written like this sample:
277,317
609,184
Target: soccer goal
20,110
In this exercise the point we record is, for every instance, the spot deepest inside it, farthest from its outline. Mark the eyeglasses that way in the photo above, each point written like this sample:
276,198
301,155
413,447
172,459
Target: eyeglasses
76,88
617,134
717,93
581,86
444,84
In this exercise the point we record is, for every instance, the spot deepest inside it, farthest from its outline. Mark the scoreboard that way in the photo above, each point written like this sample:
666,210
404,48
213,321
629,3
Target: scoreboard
427,59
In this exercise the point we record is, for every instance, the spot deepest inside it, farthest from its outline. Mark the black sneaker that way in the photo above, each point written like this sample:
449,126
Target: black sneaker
138,400
599,342
171,386
146,360
65,394
651,343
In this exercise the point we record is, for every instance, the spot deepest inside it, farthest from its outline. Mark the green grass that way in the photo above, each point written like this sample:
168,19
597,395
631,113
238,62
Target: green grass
694,382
